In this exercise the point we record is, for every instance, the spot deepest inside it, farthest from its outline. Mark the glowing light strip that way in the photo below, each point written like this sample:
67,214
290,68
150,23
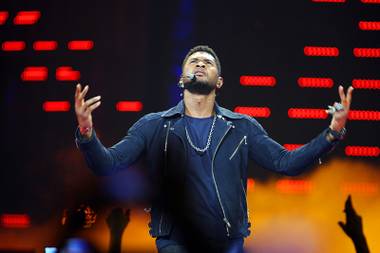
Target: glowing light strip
56,106
366,84
80,45
3,17
260,112
294,186
313,82
34,73
45,45
258,81
307,113
15,220
13,45
321,51
369,25
27,17
366,188
371,151
367,52
291,147
66,73
364,115
129,106
370,1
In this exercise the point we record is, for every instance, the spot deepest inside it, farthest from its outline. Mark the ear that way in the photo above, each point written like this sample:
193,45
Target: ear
219,83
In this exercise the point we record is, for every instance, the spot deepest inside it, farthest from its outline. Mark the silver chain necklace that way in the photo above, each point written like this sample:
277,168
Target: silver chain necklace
202,150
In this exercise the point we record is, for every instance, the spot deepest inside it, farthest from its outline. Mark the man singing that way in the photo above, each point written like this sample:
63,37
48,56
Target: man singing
197,155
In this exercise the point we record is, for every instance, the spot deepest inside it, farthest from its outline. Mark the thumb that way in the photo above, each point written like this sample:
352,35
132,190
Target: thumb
343,226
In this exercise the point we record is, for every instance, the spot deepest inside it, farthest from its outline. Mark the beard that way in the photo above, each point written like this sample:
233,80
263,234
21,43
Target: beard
199,87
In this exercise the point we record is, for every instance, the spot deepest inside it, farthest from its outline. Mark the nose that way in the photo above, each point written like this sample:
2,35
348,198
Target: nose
201,64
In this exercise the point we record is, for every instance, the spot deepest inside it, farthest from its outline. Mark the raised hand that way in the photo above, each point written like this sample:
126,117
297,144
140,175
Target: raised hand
339,119
83,109
353,227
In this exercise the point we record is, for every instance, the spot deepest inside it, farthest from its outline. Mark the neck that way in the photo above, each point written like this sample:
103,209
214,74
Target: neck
199,106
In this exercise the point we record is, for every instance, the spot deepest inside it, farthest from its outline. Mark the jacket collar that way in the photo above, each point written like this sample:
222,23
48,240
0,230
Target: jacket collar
179,109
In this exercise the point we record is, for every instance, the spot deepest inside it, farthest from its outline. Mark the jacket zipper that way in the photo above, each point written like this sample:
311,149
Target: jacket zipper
244,139
245,195
228,225
166,156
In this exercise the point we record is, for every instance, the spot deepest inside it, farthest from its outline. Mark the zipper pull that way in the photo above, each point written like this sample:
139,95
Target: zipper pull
227,222
245,140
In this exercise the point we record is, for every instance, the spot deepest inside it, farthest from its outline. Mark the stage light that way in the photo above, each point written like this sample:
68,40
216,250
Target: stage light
366,84
369,25
129,106
260,112
329,1
3,17
27,17
45,45
258,81
366,188
35,73
15,220
294,186
307,113
291,147
321,51
370,1
364,115
13,45
80,45
56,106
367,52
313,82
250,184
362,151
66,73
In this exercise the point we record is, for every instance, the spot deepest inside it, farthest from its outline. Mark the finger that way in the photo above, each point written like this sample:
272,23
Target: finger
92,100
349,95
93,106
341,93
83,93
342,225
77,90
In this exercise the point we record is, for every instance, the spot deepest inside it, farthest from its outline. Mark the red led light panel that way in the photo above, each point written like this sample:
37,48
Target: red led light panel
307,113
3,17
364,115
66,73
367,52
370,1
27,17
45,45
13,45
329,1
362,151
15,220
260,112
291,147
321,51
80,45
56,106
366,84
294,186
35,73
258,81
313,82
129,106
369,25
366,188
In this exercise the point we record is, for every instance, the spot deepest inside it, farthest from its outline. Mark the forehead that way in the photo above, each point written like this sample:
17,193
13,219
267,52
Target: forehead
202,55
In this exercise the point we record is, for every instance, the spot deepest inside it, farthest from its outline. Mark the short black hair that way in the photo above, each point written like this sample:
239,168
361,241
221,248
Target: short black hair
203,48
